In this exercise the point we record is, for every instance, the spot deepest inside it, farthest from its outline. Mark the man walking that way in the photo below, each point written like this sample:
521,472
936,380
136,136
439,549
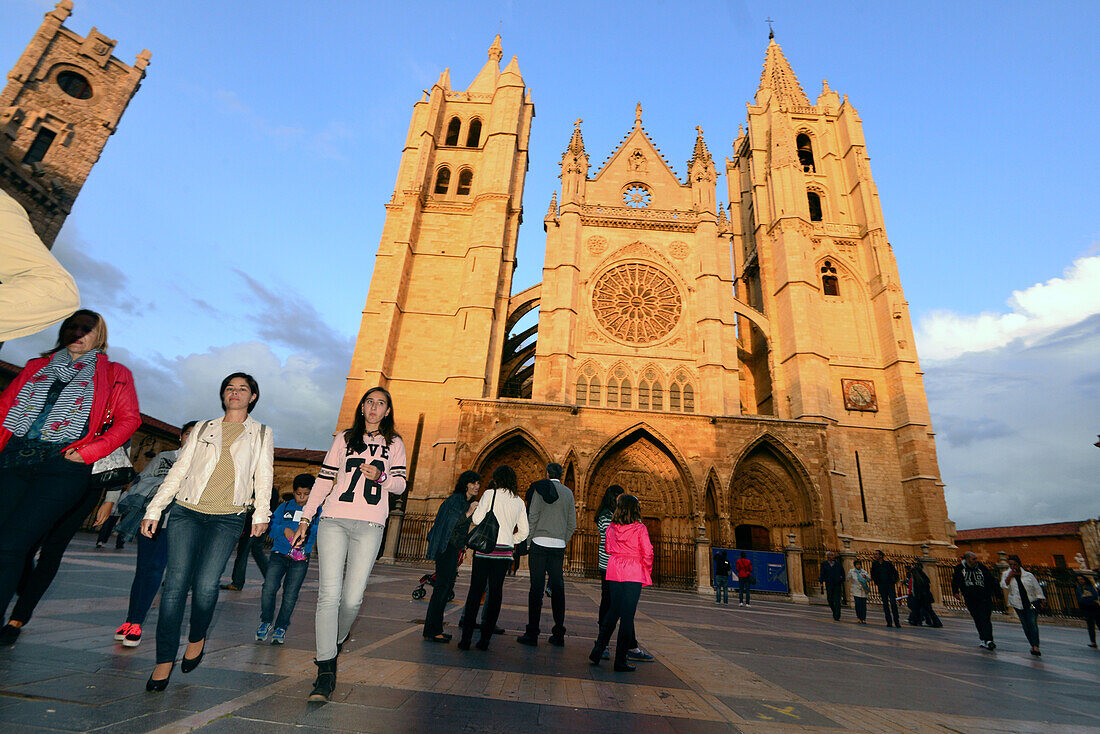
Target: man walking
552,517
832,579
975,584
885,576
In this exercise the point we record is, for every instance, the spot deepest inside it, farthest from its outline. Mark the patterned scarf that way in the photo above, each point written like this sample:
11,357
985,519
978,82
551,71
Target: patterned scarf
68,416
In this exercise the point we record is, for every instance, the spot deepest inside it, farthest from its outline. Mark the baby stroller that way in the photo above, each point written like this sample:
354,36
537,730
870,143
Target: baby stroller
427,579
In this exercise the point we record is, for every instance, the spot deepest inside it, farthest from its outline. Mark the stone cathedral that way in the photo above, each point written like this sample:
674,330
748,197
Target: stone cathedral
748,371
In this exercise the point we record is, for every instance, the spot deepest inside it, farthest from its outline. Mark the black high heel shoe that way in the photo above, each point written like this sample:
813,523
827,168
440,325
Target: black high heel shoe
158,685
189,664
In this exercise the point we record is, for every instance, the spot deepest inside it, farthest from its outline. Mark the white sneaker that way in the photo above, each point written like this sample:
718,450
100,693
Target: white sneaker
740,603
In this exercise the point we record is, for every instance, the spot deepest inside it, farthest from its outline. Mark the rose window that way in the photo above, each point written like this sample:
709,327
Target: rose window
636,196
637,303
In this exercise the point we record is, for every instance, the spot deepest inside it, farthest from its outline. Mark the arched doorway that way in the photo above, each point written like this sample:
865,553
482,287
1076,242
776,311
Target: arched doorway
770,497
519,453
644,467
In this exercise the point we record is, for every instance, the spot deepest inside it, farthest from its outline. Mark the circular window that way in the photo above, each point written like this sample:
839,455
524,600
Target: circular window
74,85
637,303
636,196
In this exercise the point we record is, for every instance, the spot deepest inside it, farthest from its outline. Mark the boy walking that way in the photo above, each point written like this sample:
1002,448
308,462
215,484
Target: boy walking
288,565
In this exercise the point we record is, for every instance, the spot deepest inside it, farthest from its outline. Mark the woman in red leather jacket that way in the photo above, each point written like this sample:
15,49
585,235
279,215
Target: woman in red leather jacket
64,411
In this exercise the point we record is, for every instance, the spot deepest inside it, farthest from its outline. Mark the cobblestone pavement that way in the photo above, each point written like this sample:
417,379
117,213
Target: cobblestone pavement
773,667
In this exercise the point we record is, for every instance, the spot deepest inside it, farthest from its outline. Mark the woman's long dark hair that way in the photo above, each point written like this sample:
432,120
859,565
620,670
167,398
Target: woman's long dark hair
356,436
627,510
504,477
466,478
607,504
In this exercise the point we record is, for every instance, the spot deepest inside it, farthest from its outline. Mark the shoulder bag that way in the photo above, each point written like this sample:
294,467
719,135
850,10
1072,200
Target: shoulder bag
113,470
483,538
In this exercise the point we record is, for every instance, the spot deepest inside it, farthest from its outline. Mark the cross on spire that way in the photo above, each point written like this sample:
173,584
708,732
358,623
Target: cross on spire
771,31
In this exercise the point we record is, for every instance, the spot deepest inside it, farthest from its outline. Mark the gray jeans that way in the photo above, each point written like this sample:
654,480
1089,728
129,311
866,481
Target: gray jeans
346,552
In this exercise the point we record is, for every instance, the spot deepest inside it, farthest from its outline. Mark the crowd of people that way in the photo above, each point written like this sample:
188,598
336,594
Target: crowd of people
70,411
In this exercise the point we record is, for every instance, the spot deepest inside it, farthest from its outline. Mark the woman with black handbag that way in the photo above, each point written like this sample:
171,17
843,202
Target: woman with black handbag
501,522
446,545
63,412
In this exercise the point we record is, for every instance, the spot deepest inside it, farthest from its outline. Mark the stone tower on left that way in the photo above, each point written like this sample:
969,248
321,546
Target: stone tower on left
63,100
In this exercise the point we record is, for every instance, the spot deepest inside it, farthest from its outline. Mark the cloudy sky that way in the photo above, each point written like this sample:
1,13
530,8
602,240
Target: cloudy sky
233,219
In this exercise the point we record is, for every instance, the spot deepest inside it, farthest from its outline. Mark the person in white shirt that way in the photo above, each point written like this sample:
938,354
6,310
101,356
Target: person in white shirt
1026,597
858,584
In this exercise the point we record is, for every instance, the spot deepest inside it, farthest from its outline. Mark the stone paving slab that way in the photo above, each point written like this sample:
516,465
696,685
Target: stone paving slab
774,667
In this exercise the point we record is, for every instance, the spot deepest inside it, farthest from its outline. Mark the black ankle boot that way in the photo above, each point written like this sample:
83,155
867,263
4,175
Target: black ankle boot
326,680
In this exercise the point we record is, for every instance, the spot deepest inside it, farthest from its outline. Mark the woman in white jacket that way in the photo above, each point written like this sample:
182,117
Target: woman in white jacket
489,569
1026,597
224,467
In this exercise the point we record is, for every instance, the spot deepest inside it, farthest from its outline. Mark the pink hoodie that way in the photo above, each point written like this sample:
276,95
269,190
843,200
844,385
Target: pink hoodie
631,553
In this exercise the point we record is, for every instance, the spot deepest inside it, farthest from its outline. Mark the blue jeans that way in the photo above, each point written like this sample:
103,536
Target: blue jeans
152,557
198,547
721,588
743,587
1029,620
280,567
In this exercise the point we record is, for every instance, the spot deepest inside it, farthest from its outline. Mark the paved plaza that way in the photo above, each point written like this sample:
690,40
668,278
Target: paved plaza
774,667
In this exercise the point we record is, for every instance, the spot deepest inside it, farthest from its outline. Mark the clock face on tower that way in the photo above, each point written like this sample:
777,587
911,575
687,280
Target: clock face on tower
859,395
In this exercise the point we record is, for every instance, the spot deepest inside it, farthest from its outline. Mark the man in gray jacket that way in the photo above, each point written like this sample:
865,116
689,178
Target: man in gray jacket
552,515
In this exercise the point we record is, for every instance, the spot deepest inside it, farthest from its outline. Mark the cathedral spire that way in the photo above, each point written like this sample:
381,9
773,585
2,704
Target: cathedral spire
445,80
576,143
486,80
779,79
701,153
495,52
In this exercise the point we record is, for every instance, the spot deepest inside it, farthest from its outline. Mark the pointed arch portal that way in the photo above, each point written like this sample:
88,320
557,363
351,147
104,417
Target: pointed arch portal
770,496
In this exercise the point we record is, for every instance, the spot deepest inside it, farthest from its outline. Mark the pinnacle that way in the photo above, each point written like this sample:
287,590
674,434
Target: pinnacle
512,67
779,78
495,53
701,152
553,210
576,143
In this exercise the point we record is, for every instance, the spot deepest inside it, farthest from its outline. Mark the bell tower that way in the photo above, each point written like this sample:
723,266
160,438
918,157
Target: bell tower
63,100
434,322
811,253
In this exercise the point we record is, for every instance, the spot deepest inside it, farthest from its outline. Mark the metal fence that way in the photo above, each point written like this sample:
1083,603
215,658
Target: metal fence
412,546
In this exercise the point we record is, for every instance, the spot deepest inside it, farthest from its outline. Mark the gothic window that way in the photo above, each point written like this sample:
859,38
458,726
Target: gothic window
624,394
658,398
612,393
465,181
594,392
681,396
643,395
74,85
637,302
805,152
41,144
830,285
443,180
452,131
637,196
814,200
582,391
473,137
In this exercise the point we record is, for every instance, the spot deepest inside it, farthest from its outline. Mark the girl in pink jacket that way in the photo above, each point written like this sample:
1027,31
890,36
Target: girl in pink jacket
628,570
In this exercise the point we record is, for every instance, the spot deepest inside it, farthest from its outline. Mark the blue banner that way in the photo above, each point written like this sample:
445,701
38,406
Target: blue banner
769,568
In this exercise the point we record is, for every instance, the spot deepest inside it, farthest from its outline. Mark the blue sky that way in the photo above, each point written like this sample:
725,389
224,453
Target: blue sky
235,214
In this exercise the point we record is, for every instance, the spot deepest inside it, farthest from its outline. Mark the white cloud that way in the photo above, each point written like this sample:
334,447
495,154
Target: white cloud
1036,311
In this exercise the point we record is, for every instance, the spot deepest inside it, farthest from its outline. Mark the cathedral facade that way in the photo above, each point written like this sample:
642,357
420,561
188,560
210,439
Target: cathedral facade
747,371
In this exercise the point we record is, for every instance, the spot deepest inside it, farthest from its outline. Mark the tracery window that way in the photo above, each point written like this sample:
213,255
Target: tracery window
830,284
594,392
650,396
681,396
452,131
582,390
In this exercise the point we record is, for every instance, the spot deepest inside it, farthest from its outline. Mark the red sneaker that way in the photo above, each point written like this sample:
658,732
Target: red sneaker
120,633
133,636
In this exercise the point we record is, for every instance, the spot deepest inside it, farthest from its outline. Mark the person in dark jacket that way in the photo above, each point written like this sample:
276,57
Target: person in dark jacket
885,576
722,570
832,581
446,543
552,515
1088,600
920,599
975,584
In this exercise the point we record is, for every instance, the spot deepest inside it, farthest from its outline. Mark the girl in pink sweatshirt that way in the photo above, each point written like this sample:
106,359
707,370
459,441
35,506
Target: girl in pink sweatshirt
364,466
629,566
